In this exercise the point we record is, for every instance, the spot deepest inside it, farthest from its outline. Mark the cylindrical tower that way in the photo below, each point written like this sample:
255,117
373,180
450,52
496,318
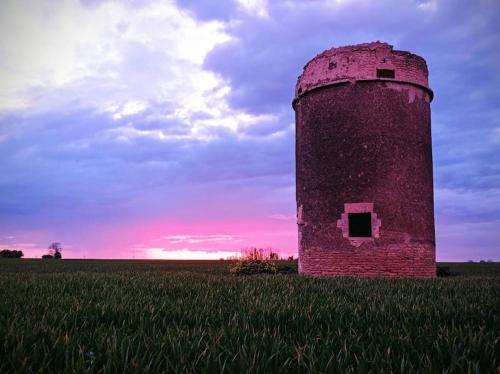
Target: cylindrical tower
364,163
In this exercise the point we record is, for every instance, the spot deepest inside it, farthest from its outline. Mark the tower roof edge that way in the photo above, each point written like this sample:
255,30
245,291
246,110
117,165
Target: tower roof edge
366,61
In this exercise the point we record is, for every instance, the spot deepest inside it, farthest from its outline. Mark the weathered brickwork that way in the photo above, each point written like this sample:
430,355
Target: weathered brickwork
363,144
360,62
402,260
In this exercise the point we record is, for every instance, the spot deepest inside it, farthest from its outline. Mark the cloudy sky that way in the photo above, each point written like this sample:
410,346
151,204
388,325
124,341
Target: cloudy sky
164,129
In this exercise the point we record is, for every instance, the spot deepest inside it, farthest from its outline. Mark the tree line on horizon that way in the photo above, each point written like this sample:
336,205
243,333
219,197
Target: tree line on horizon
11,253
54,252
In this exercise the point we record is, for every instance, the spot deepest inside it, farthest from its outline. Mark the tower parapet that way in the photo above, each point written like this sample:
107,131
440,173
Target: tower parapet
374,61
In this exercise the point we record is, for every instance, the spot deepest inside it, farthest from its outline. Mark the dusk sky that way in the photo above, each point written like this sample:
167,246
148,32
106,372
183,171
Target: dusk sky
163,129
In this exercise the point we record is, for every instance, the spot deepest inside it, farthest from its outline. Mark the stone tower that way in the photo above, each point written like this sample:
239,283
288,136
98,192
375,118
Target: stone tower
364,163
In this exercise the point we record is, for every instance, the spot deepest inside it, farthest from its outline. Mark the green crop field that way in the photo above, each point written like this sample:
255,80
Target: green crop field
193,316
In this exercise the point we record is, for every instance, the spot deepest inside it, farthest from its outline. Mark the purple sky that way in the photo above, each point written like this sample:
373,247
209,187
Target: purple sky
157,129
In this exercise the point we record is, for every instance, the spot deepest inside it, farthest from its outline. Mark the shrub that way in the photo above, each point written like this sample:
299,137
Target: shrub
253,266
286,269
445,271
7,253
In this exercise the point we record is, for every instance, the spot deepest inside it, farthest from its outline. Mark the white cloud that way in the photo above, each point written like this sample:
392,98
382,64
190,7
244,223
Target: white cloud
119,60
43,47
27,245
50,46
430,5
257,7
129,108
283,217
187,254
202,238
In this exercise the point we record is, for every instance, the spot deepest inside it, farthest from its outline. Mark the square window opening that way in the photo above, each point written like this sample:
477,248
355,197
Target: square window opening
385,73
360,225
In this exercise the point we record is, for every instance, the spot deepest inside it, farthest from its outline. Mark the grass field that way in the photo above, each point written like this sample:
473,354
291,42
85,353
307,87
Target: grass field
193,316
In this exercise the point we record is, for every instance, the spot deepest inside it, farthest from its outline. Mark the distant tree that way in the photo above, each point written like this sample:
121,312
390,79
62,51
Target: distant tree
290,258
55,250
7,253
273,256
45,257
254,253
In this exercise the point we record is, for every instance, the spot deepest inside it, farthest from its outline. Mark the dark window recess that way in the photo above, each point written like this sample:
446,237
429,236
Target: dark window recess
360,225
385,73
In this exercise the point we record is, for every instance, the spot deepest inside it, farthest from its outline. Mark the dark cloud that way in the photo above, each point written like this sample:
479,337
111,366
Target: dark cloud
77,161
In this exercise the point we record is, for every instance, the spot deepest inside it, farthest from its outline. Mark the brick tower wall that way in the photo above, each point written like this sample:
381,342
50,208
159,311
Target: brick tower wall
363,144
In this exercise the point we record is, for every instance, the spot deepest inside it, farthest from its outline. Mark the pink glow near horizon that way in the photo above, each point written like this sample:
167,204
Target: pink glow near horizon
168,239
160,240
